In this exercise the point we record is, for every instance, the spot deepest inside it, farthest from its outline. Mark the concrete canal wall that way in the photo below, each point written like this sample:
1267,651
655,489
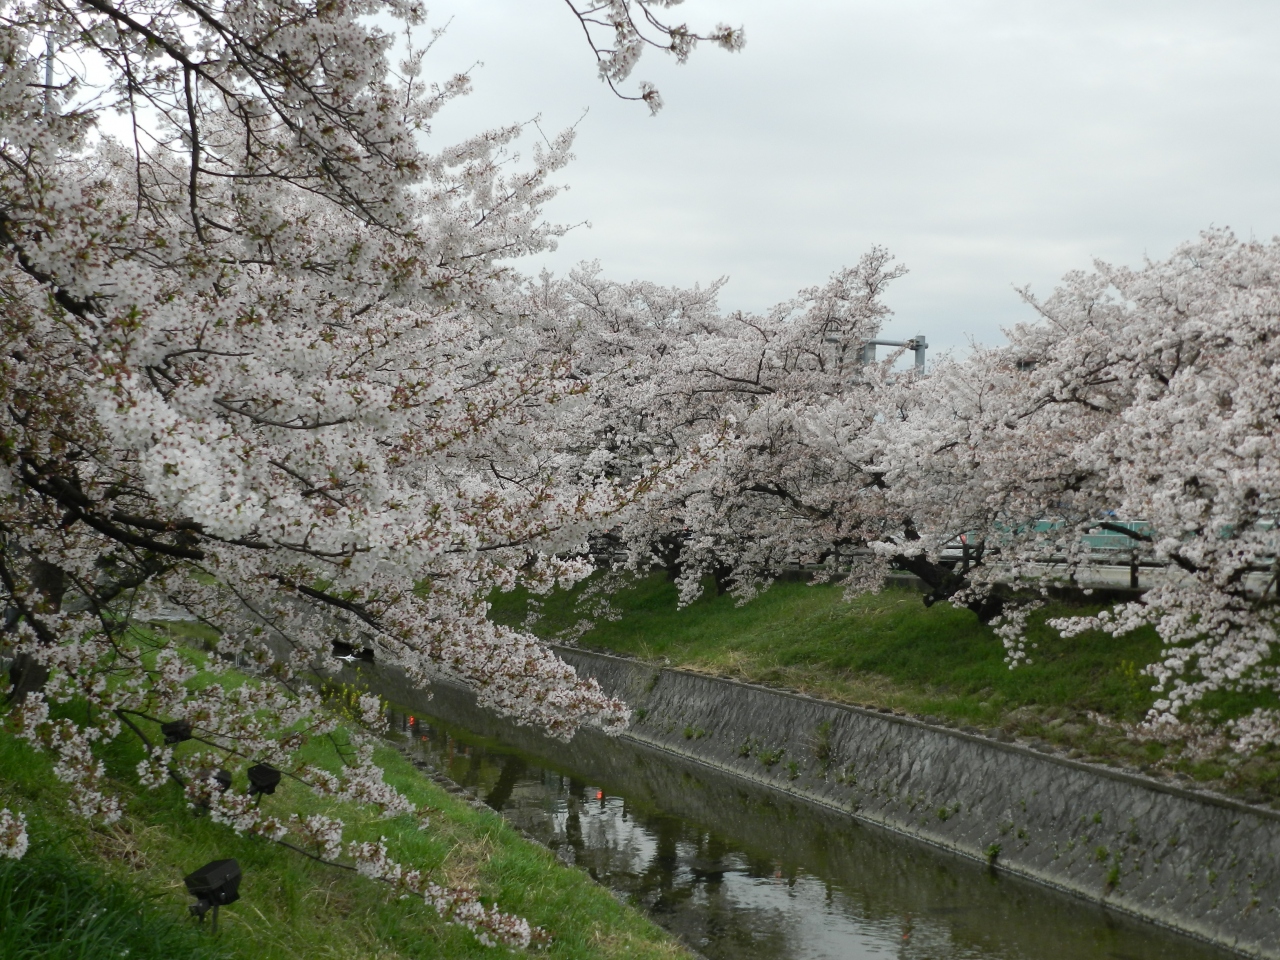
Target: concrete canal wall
1198,863
1194,862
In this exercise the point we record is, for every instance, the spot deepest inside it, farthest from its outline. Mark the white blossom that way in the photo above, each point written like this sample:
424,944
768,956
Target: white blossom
1148,395
320,832
264,362
13,834
154,769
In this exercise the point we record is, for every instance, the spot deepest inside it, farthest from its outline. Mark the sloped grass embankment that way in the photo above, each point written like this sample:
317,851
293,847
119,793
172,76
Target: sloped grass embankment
86,892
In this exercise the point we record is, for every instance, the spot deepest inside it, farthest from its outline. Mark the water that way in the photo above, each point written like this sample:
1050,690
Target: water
739,872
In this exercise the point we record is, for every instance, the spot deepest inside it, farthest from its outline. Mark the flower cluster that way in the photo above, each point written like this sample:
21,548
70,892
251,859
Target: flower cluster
75,764
324,834
242,813
491,926
154,770
13,834
618,32
458,905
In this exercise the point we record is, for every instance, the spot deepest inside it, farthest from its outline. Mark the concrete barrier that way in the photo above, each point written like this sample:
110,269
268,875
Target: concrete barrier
1198,863
1194,862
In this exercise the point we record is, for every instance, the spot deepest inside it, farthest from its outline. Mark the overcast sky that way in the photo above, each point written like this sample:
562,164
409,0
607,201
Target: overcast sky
988,144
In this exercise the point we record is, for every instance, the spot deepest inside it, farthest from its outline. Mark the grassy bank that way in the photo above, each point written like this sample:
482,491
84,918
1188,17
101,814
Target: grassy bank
93,893
53,907
889,650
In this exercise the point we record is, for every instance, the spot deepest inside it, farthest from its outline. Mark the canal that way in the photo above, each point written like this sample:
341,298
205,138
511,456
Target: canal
740,872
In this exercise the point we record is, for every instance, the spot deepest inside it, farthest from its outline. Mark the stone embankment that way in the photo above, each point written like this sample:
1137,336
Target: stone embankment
1195,862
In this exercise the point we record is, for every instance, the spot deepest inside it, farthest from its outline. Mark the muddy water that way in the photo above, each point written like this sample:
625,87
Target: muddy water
740,872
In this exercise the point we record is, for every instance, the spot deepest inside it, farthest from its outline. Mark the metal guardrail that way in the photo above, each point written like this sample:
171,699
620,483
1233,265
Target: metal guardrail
1105,549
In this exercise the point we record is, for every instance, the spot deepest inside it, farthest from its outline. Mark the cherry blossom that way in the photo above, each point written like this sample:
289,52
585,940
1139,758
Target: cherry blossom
749,399
1149,394
13,834
263,365
619,31
1146,394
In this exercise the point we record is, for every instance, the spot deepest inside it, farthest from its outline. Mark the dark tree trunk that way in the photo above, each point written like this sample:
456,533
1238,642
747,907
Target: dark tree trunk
27,676
944,583
724,579
50,582
669,556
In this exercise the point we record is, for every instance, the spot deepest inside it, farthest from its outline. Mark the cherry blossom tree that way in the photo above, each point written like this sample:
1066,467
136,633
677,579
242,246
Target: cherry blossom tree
1183,356
1149,394
1145,393
750,397
263,362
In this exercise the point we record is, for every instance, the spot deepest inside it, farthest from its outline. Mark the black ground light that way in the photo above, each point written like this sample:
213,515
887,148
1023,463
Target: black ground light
263,778
176,731
214,885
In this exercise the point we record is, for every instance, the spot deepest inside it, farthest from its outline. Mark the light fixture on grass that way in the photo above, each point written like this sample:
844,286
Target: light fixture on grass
214,885
176,731
263,778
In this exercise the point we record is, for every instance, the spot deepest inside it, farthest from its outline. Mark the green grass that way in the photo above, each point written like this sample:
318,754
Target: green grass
55,908
888,650
126,879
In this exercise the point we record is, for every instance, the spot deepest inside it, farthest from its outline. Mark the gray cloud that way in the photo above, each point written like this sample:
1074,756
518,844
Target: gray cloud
987,144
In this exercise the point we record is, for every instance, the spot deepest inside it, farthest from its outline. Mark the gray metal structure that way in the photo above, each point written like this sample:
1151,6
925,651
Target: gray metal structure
48,70
917,343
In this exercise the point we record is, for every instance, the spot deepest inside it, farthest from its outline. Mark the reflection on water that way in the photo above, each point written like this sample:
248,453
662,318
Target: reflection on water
739,872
